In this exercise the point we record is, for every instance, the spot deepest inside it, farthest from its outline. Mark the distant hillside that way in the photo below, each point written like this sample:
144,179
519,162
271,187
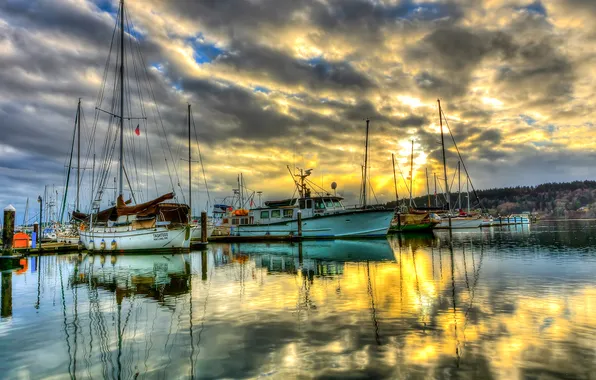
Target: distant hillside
568,199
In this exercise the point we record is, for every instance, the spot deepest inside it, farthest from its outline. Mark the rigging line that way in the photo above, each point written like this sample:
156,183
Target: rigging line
462,160
139,93
156,110
200,157
159,116
63,206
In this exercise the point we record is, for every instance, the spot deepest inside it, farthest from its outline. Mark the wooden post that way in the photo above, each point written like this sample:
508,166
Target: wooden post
8,227
204,227
6,308
204,265
299,224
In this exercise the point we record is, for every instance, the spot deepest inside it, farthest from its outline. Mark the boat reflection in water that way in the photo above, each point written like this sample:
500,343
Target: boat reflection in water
495,304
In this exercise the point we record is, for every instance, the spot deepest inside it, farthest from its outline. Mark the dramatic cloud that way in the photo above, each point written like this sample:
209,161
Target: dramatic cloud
290,82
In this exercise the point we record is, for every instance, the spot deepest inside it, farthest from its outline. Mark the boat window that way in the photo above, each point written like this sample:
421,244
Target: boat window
225,221
309,203
302,204
244,221
319,204
288,213
276,213
265,214
337,203
235,221
329,203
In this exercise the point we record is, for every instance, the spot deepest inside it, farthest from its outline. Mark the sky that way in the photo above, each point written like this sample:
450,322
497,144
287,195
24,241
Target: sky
290,82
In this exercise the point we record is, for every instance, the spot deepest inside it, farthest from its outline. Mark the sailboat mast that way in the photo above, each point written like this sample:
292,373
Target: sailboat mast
468,192
459,184
411,171
78,153
189,168
394,180
121,158
447,196
436,195
364,185
427,189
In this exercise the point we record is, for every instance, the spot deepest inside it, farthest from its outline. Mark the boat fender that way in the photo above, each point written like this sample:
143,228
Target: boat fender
91,245
114,245
102,245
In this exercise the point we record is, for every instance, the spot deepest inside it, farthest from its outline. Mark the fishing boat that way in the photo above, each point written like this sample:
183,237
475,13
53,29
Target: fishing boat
154,225
322,216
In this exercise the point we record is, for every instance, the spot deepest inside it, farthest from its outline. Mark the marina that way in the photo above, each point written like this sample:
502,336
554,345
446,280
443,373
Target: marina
291,190
437,302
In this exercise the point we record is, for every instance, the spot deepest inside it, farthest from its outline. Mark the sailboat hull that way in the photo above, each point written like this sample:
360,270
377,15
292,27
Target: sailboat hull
369,223
155,239
459,223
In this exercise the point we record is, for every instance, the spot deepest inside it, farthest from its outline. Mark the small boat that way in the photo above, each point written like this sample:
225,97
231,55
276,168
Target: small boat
414,221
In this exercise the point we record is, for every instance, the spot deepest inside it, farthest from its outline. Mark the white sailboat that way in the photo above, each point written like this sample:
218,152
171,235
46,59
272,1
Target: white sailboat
154,225
450,220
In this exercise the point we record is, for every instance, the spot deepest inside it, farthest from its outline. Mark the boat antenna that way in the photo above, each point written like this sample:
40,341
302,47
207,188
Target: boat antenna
447,197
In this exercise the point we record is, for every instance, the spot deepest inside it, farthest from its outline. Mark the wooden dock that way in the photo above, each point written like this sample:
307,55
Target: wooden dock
49,249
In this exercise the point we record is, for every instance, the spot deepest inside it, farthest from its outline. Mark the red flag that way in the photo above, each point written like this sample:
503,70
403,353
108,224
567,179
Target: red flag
138,131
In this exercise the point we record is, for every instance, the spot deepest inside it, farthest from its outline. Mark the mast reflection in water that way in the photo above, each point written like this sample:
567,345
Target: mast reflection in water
498,304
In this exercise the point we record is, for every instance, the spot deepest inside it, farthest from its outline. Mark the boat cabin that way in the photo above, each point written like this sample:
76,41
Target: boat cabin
287,209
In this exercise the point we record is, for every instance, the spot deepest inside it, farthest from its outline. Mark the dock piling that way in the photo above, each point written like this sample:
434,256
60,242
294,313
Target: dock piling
8,227
299,224
204,227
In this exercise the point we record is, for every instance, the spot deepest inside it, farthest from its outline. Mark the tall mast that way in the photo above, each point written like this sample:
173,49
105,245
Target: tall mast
92,184
78,153
427,189
189,168
459,184
26,216
411,172
121,159
364,185
394,180
447,196
468,192
436,195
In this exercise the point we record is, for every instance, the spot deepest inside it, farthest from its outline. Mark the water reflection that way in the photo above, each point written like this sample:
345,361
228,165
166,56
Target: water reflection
498,303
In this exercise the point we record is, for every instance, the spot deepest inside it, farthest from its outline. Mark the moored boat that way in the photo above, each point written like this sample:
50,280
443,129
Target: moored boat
322,216
154,225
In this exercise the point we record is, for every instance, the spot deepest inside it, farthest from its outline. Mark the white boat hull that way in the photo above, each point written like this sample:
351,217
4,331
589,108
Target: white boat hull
195,232
369,223
154,239
459,223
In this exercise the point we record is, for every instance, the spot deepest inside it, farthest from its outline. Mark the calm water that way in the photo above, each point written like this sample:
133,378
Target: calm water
507,303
